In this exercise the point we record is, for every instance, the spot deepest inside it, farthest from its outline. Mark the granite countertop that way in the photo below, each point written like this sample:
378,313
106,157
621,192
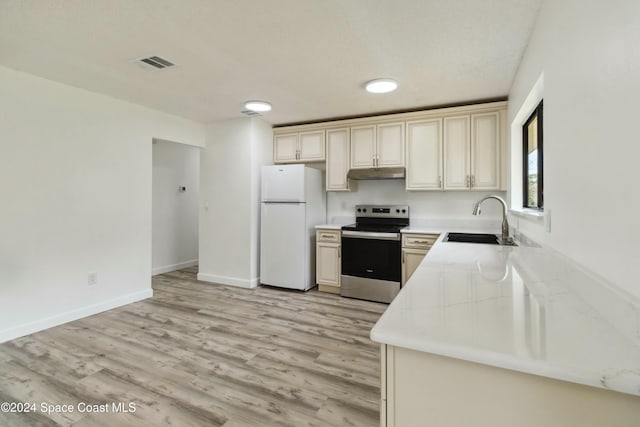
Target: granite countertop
524,308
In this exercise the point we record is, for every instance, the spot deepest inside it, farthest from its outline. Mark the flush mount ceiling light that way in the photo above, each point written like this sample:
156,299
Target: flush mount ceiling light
259,106
381,86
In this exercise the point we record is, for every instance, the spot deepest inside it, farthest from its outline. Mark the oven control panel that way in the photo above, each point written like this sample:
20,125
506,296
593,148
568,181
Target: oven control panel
382,211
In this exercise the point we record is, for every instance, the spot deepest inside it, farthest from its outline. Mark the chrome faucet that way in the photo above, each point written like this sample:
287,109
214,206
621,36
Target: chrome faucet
506,239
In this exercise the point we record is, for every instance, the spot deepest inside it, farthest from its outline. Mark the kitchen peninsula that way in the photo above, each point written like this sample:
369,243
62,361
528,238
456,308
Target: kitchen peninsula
490,335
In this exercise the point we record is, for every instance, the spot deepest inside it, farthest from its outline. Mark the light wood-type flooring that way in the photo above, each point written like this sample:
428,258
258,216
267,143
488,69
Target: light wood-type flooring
199,354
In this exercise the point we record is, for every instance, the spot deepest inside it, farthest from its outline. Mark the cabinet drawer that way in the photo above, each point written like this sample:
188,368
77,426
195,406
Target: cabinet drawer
419,241
329,236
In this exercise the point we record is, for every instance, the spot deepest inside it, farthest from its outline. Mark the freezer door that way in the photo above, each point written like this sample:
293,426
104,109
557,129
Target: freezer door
283,183
282,245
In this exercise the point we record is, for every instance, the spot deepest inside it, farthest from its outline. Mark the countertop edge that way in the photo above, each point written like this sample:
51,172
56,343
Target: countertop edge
329,226
500,360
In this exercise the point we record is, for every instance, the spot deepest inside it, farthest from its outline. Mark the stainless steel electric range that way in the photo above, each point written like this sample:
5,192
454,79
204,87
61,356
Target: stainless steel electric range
372,252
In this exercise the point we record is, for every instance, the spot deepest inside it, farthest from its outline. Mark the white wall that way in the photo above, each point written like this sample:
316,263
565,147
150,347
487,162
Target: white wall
423,205
75,198
589,53
262,154
175,212
229,214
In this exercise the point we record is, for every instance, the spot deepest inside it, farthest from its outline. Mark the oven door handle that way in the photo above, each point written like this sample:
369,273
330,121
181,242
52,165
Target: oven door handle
371,235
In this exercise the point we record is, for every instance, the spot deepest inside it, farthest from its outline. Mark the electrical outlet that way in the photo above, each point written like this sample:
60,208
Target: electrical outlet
92,279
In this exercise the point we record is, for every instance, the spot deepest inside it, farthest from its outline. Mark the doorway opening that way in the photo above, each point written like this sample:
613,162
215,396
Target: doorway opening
175,206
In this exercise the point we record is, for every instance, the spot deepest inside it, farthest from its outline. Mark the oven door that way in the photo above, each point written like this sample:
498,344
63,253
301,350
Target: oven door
372,255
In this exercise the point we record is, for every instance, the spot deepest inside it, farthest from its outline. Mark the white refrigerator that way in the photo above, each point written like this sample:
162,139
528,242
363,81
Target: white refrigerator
293,203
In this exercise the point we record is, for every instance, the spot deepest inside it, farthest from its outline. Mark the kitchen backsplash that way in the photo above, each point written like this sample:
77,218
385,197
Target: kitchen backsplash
424,205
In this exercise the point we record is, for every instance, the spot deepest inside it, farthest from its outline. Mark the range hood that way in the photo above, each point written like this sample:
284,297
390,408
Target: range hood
376,173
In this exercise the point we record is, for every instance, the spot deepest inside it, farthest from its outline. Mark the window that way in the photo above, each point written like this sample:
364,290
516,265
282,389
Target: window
532,157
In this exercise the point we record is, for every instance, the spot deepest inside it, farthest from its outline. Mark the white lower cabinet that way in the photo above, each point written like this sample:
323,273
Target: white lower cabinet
411,259
414,248
328,260
424,389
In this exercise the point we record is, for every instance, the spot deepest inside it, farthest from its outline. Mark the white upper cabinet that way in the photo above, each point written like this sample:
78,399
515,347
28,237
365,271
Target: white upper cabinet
285,148
451,149
311,146
338,160
424,155
472,152
457,142
485,151
390,145
363,147
299,147
377,146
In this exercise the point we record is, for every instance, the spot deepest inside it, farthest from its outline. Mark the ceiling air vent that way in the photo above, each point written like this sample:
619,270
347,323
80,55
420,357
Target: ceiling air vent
155,62
250,113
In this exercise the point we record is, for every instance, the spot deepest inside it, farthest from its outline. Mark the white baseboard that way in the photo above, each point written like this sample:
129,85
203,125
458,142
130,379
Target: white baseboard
173,267
232,281
69,316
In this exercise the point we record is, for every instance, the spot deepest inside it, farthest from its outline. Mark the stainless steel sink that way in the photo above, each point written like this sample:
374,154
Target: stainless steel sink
489,239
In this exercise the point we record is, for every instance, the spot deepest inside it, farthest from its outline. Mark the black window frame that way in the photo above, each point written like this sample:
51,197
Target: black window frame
537,112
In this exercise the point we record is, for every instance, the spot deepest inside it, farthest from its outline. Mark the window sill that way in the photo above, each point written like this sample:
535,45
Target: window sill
532,214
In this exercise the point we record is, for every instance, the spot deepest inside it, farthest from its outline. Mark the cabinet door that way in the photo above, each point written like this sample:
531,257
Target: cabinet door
485,151
328,264
411,259
363,144
311,146
390,145
285,148
337,159
424,155
456,153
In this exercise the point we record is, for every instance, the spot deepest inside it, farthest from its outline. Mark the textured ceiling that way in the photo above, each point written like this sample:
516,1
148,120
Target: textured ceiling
309,58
